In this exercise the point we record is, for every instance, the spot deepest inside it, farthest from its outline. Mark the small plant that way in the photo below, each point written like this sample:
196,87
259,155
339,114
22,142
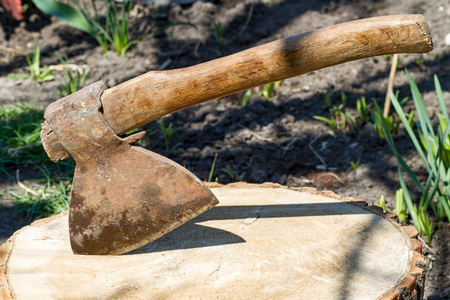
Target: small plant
213,166
115,30
426,225
420,62
392,123
435,193
34,67
327,99
331,122
381,202
42,200
233,176
21,149
20,143
340,119
73,79
363,110
344,98
269,89
400,206
246,97
355,165
168,131
218,34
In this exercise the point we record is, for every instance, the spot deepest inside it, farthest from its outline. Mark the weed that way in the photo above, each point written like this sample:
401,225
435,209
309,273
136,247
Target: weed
246,97
20,144
331,122
425,224
327,99
355,165
363,110
340,119
420,62
269,88
381,202
344,98
435,194
115,31
168,131
34,67
392,123
43,199
213,166
218,34
72,82
21,149
233,176
400,206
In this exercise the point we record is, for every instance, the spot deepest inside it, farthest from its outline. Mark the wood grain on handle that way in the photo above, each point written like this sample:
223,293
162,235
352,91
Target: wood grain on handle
158,93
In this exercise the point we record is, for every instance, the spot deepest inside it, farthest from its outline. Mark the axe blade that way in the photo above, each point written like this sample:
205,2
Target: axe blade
131,199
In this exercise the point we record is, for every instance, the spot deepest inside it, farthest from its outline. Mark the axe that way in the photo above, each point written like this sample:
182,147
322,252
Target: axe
124,196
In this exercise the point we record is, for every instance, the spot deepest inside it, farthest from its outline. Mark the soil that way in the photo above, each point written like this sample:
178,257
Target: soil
268,140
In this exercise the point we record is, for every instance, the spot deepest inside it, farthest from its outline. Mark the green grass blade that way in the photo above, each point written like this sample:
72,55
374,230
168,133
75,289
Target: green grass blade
408,129
381,121
66,13
407,198
440,97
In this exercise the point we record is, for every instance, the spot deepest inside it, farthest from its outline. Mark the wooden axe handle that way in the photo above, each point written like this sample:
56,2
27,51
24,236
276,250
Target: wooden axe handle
158,93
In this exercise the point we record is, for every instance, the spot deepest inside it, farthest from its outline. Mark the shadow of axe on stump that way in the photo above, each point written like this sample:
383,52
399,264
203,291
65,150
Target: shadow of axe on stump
124,196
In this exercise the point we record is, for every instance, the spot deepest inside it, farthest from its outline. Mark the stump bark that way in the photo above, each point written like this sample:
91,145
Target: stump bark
261,242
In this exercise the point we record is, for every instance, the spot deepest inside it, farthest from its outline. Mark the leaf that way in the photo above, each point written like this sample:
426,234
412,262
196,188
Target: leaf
66,13
21,76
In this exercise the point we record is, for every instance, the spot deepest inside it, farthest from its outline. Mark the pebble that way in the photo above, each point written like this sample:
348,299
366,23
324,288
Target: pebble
447,39
287,119
207,152
211,118
353,145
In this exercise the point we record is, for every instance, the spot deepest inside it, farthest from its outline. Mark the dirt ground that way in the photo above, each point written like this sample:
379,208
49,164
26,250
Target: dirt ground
268,140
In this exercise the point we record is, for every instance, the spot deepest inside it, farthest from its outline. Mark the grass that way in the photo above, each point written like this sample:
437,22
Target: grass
168,131
34,67
232,174
218,34
73,79
42,197
340,119
113,29
433,147
21,151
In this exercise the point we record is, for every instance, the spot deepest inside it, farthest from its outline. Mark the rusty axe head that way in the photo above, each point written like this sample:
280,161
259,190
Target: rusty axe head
123,196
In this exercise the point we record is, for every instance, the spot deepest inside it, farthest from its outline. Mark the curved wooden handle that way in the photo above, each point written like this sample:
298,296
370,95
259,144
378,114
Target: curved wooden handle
155,94
158,93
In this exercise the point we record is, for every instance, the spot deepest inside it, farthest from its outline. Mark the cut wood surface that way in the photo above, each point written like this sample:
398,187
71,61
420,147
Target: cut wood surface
261,242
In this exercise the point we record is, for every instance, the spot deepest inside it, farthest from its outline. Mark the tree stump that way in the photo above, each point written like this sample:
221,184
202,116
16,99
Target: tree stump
261,242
